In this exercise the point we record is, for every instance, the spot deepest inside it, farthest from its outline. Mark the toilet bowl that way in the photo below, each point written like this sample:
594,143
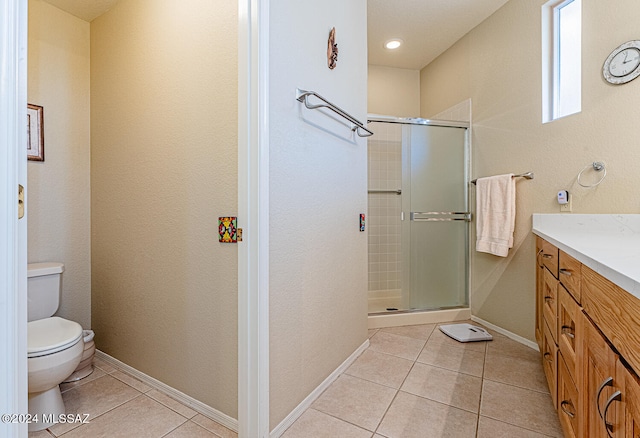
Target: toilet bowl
54,345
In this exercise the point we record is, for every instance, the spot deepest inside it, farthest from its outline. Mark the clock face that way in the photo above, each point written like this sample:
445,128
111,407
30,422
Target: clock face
623,64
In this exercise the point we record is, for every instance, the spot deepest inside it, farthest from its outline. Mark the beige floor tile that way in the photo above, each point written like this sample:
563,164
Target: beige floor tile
422,331
437,337
410,416
171,403
508,347
396,345
524,372
372,332
380,368
452,358
104,366
356,401
521,407
490,428
142,417
94,398
191,430
97,372
317,424
444,386
214,427
131,381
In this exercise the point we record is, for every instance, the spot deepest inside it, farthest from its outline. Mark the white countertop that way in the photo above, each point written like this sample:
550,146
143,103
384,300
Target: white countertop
607,243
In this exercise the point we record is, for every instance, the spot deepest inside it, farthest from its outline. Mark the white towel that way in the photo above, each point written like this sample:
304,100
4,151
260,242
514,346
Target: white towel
495,214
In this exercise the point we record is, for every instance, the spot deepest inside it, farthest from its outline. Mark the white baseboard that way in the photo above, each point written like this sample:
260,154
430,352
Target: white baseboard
196,405
414,318
306,403
507,333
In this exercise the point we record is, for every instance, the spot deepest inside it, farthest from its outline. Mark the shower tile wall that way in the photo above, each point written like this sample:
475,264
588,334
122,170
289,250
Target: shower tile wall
385,257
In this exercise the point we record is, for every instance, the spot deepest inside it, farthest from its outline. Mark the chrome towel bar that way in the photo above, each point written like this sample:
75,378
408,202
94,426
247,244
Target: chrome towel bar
526,175
302,96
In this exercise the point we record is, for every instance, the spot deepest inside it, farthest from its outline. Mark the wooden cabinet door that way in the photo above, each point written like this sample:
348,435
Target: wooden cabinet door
630,408
600,383
570,332
539,292
568,402
550,363
550,303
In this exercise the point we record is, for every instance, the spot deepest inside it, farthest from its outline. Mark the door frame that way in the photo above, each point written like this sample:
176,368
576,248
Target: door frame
13,232
253,213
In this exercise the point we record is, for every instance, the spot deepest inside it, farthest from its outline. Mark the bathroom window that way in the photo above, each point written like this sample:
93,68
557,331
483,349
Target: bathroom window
561,59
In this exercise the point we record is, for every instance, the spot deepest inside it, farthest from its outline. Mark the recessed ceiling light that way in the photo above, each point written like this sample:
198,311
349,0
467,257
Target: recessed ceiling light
393,44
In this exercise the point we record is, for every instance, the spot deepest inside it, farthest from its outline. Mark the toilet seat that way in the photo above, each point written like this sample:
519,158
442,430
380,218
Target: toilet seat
51,335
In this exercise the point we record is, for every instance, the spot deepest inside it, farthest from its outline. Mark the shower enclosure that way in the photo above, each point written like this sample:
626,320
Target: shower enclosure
418,215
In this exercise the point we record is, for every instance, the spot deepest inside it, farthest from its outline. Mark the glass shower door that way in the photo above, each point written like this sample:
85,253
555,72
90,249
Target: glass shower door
436,216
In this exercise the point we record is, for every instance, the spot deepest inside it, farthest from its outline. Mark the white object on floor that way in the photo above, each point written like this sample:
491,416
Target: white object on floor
466,332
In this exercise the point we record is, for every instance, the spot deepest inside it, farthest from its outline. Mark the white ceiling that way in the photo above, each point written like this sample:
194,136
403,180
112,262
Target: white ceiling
428,27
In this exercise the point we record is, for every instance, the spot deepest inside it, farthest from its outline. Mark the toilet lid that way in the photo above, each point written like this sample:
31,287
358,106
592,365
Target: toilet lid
50,335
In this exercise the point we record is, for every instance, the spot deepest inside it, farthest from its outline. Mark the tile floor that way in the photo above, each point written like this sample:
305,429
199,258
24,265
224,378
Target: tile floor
416,382
411,382
121,406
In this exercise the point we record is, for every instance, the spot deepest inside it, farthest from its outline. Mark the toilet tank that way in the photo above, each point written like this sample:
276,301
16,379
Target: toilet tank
44,281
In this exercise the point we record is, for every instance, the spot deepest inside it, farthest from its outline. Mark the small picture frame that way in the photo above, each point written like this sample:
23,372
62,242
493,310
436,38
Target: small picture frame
35,133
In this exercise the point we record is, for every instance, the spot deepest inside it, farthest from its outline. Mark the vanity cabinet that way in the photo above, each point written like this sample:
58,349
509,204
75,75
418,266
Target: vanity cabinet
588,330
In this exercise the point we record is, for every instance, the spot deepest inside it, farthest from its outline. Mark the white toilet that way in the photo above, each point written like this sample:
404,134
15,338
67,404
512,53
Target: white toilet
54,345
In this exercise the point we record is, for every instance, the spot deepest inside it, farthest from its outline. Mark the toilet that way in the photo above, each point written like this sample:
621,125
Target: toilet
54,345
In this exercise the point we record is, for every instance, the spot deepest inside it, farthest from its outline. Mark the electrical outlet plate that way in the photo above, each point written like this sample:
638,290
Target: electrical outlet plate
566,208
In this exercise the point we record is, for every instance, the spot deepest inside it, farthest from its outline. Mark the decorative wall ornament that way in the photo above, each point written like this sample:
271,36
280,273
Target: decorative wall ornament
227,229
332,49
35,133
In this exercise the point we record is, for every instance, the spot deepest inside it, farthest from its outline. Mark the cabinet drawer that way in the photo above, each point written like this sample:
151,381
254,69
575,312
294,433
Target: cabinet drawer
569,274
549,363
568,401
569,331
549,257
615,312
550,303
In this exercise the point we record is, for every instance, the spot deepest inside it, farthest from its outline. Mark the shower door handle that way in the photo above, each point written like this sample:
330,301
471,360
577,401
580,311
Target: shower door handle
440,216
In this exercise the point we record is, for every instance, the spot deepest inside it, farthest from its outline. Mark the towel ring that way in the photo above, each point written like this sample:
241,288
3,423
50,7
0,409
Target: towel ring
598,166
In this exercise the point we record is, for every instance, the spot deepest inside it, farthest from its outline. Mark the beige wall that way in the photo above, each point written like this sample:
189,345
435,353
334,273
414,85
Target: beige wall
58,192
164,168
503,79
393,91
318,188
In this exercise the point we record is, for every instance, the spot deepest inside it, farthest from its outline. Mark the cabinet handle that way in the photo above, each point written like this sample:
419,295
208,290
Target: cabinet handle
548,298
547,256
617,396
540,265
565,410
565,272
566,330
607,382
547,356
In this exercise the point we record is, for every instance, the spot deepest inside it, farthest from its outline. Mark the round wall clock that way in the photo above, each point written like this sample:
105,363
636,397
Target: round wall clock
623,64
